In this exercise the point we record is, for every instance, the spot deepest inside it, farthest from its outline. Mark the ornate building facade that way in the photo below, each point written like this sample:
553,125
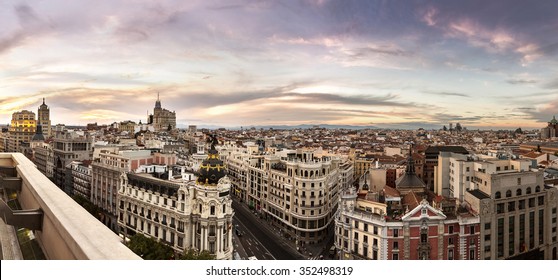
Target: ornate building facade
295,190
184,214
407,222
162,119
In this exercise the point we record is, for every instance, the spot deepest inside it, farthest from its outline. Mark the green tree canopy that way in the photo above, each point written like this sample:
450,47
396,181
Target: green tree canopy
192,254
149,248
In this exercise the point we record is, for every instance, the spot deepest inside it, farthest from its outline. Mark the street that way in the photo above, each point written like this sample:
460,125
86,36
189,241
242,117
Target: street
255,233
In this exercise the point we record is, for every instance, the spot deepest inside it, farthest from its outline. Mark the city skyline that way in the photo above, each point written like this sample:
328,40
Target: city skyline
394,64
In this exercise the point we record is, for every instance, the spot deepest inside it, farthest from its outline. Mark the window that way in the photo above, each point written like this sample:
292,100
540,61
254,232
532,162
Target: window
500,240
450,241
518,192
528,191
366,227
212,210
471,229
395,232
486,226
499,208
511,206
497,195
395,245
356,224
508,193
365,239
518,181
450,229
356,235
224,208
395,256
472,254
450,254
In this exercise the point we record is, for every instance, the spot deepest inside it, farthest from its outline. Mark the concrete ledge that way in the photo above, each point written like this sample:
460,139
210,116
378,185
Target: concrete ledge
69,231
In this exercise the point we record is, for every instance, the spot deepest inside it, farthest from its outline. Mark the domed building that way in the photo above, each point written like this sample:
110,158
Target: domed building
185,213
212,213
551,130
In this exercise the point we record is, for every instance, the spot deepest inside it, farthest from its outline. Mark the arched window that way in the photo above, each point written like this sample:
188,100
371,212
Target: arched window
518,192
508,193
528,190
497,195
537,189
306,173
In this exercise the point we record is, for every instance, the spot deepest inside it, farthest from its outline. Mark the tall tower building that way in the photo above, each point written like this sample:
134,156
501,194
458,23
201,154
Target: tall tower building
162,119
44,119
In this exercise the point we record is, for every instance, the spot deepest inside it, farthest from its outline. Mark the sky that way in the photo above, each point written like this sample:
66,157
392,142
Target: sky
391,64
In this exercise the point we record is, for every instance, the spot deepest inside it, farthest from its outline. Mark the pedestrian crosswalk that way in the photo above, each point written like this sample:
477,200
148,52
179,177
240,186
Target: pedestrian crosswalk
320,257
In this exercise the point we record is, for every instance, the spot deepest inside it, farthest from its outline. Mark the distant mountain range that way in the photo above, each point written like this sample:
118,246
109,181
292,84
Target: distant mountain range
284,127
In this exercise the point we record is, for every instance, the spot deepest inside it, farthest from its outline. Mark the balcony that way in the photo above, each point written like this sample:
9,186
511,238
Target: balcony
68,231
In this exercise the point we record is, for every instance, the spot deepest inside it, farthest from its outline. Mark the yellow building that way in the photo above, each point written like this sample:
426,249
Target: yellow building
22,128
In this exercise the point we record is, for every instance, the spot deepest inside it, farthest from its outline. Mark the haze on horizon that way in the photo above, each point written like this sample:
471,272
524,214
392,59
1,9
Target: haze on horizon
396,64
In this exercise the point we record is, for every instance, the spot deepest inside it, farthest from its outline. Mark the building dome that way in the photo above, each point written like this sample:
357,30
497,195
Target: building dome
39,134
553,121
212,169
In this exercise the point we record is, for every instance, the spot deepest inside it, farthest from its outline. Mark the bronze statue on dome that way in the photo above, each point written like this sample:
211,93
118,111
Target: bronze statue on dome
213,140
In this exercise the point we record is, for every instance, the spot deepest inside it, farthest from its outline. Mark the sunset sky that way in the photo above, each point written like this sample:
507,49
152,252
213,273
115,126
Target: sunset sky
398,64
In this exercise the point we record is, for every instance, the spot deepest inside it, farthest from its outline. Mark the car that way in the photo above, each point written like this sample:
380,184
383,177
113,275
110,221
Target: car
252,258
237,232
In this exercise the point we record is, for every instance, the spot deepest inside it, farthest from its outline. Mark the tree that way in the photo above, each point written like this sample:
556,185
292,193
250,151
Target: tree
519,131
149,248
192,254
